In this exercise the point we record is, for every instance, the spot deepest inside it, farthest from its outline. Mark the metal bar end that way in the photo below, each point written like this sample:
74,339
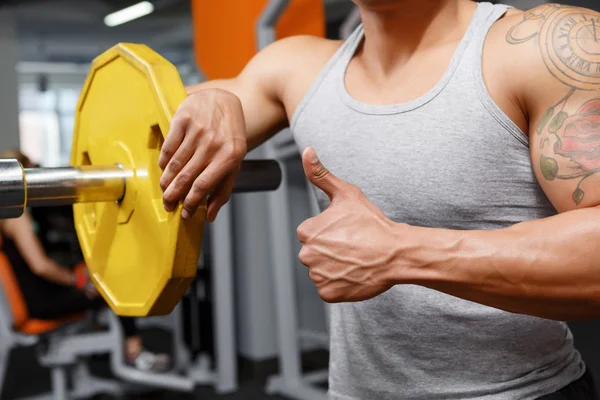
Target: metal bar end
13,192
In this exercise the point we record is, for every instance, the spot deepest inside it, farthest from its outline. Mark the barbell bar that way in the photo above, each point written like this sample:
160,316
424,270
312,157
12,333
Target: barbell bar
44,187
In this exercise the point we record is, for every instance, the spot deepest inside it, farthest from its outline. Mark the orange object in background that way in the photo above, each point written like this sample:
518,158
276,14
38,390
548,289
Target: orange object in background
225,31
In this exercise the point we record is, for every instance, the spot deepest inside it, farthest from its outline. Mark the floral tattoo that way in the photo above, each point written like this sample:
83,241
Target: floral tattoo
569,41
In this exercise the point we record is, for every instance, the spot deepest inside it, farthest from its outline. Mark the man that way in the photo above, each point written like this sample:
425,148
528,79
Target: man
458,171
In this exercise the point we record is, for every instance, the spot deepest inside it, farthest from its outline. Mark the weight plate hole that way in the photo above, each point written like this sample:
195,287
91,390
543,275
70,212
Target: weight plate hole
155,139
85,159
154,144
90,208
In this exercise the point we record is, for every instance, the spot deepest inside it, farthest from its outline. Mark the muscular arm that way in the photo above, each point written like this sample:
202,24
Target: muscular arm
21,231
221,120
262,86
547,268
550,267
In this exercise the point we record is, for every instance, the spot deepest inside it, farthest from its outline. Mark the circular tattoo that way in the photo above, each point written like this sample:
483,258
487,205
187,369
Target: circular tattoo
570,46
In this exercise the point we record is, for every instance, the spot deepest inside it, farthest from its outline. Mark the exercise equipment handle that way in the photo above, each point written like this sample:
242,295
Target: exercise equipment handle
35,187
258,176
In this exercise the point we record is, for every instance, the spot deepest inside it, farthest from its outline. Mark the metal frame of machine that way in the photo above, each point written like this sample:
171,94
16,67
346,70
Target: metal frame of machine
68,347
291,381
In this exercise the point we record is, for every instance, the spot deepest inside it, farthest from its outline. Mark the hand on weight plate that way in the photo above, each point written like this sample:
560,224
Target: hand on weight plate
202,153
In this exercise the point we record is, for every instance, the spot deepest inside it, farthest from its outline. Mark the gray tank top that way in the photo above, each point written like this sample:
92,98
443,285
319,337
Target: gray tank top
449,159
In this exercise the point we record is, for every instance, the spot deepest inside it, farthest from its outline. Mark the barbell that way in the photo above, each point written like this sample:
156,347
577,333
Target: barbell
141,258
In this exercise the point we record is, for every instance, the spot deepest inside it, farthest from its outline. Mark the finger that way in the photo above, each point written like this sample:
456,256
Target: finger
174,138
179,160
205,183
181,185
304,230
304,256
220,196
320,176
302,234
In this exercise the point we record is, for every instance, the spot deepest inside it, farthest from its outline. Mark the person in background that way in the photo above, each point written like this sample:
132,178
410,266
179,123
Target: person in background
53,291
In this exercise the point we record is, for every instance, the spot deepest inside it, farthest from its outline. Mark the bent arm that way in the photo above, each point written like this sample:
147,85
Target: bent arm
221,120
548,268
21,231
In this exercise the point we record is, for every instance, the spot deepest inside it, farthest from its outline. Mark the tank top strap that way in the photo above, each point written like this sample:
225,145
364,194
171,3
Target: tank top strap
333,74
490,13
473,64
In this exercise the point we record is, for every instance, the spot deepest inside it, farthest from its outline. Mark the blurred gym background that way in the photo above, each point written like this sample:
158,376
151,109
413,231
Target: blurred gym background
46,47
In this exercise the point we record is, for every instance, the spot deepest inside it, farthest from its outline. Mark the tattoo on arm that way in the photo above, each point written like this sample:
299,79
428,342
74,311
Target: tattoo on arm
569,41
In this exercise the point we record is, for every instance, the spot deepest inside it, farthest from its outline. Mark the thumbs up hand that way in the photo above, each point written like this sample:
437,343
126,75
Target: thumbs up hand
349,247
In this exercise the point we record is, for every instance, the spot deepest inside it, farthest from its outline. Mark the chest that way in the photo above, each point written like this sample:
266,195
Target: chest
412,78
425,168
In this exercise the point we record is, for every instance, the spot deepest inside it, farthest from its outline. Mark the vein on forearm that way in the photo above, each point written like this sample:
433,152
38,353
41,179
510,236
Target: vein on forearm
548,268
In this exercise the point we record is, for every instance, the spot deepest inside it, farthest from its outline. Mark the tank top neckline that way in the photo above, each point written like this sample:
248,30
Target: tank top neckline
375,109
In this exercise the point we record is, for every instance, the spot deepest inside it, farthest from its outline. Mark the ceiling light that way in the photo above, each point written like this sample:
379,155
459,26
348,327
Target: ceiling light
129,14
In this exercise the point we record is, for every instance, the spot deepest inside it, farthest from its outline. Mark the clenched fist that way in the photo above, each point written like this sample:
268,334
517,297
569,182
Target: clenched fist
349,247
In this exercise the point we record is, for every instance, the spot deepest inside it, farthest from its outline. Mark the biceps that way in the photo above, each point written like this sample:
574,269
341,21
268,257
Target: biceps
565,152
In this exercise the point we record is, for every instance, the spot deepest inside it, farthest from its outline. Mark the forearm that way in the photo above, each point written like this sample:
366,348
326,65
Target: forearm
53,272
548,268
20,230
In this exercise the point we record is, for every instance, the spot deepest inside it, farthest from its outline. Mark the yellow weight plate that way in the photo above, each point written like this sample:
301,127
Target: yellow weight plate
141,258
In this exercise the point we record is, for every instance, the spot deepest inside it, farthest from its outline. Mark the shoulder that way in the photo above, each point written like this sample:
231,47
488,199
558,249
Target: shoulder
556,44
300,57
303,45
543,51
290,66
295,53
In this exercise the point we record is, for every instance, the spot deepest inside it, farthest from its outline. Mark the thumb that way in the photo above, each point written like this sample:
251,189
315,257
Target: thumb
320,176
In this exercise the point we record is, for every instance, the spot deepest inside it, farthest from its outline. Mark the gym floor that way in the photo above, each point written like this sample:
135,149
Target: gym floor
26,378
